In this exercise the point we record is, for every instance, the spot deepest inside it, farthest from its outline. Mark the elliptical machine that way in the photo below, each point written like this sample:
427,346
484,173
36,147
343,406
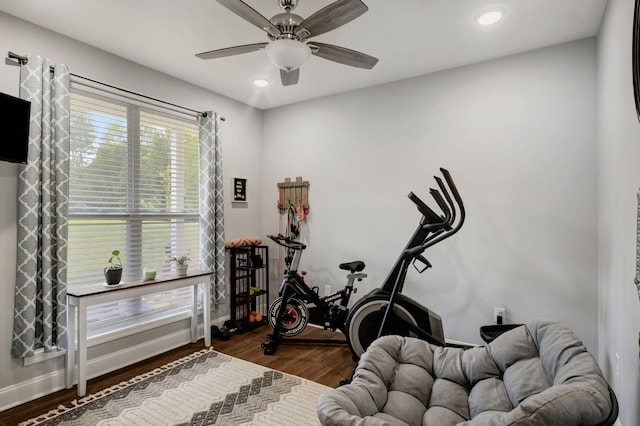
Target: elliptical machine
385,310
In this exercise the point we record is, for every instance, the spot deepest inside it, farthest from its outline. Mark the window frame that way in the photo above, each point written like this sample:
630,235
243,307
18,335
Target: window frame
134,218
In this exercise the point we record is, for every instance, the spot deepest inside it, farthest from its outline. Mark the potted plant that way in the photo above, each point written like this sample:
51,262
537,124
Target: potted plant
113,272
182,263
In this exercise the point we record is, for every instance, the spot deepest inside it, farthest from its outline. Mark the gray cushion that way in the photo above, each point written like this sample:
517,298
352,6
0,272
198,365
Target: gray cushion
538,374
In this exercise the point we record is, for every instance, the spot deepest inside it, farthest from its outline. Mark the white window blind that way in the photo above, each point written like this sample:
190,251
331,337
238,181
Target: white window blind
133,188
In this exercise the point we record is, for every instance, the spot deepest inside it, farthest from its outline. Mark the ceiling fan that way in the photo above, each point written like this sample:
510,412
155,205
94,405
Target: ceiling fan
289,46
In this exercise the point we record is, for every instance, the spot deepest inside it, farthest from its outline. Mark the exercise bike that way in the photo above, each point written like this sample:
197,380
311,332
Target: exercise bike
385,310
300,305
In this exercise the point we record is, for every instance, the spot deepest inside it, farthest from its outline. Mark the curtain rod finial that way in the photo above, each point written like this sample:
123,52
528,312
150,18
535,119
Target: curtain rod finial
22,59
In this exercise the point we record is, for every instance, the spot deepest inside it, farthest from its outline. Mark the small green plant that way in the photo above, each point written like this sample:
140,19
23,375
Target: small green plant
114,261
181,260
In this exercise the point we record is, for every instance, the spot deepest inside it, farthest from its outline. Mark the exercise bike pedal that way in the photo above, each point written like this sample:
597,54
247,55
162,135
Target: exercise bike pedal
268,349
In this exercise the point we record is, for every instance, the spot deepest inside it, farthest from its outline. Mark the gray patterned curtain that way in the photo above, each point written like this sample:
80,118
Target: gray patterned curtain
211,204
43,189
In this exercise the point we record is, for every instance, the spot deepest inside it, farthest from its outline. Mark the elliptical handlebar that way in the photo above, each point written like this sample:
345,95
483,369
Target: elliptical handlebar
287,242
450,202
458,201
452,187
442,204
426,211
439,226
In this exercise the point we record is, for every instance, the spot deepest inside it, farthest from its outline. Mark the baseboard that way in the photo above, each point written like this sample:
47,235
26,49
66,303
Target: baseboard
14,395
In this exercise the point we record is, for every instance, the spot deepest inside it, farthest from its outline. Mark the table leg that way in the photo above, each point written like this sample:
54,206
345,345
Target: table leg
70,365
82,347
194,314
206,312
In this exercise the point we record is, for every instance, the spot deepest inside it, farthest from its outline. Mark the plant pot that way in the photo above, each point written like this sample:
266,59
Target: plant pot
112,276
149,274
181,270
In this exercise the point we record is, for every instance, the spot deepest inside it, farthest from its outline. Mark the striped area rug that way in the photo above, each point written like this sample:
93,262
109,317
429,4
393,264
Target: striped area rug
204,388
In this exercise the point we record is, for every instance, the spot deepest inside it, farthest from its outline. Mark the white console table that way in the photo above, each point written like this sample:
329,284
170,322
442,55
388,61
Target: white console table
79,298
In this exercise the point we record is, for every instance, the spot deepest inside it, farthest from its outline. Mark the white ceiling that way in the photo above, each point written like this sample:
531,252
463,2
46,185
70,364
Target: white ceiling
410,38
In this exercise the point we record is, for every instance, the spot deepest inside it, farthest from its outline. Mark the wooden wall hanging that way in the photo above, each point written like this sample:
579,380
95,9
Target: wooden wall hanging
295,193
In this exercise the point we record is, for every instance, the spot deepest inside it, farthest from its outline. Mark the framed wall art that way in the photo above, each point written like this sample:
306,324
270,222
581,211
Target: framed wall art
239,190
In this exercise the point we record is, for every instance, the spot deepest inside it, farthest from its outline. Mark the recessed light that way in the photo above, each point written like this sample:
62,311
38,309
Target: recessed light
490,16
261,82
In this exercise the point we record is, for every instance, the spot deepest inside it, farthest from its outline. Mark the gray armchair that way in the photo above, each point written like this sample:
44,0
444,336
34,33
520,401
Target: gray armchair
538,374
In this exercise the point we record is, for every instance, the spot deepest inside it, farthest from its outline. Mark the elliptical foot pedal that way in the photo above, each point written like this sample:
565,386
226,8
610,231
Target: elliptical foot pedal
491,332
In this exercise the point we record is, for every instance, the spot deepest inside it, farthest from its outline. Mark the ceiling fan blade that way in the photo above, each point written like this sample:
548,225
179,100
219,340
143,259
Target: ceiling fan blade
289,78
330,17
248,13
230,51
343,55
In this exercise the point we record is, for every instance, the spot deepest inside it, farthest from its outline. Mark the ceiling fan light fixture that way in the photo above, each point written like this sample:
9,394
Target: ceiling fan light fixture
287,54
490,16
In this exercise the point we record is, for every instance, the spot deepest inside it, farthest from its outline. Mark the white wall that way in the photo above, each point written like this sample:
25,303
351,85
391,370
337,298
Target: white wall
618,184
242,153
519,137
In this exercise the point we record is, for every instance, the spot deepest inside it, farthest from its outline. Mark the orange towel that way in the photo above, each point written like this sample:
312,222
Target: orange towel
242,242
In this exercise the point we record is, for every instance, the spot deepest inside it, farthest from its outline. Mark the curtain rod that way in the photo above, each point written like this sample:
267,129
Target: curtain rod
23,60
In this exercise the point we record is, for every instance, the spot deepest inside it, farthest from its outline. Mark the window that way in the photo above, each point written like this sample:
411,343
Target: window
134,188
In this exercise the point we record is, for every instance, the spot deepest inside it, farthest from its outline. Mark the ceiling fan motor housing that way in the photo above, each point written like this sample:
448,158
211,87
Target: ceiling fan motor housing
286,23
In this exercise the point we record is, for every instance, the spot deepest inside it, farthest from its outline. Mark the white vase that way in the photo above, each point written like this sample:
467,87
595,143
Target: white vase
181,270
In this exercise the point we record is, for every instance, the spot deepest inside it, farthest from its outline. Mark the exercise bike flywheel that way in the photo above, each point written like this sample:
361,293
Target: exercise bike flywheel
294,318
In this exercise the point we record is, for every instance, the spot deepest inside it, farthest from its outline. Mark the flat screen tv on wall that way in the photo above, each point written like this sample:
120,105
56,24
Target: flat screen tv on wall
14,127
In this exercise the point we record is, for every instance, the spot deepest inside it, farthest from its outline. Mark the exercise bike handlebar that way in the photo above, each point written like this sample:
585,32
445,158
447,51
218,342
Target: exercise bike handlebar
287,242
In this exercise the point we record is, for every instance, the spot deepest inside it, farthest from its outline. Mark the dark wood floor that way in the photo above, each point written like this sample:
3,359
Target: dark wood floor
326,364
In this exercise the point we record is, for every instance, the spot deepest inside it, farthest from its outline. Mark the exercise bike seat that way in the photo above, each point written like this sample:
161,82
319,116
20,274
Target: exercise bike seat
356,266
